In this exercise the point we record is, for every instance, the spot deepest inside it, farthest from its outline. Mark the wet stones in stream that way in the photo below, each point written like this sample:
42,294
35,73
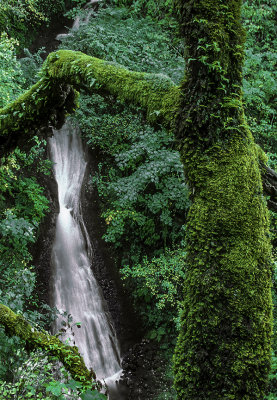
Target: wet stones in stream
139,380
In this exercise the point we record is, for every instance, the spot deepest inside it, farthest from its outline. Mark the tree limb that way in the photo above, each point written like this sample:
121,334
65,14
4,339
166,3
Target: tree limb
16,325
51,95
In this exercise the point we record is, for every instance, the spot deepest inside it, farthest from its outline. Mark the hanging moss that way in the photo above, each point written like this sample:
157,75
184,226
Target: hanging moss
16,325
223,349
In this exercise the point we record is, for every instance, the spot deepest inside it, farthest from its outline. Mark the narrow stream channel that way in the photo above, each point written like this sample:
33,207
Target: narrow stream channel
75,289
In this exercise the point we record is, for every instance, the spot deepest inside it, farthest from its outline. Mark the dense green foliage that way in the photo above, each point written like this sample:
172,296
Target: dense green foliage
22,207
140,180
260,75
21,19
138,44
34,379
161,11
18,17
11,74
157,284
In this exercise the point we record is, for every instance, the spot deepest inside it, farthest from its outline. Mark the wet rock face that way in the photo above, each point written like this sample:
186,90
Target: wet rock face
42,249
137,379
126,323
140,379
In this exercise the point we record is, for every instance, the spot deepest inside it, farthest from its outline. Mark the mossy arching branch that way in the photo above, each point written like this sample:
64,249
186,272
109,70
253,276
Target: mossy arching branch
155,93
16,325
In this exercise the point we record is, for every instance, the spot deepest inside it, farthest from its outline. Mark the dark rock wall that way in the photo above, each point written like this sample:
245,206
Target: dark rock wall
104,265
42,249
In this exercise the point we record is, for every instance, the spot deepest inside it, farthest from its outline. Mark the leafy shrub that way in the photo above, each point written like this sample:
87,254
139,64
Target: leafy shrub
18,17
140,179
11,74
260,74
157,291
34,380
148,192
162,11
30,66
22,207
136,43
21,19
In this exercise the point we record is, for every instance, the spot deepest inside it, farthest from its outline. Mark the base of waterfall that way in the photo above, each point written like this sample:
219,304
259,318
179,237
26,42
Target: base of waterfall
111,384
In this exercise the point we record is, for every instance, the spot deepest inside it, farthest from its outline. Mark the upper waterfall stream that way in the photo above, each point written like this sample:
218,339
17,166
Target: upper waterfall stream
75,289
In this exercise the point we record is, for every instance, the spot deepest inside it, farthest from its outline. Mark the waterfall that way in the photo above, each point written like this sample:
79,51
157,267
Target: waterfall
84,19
75,289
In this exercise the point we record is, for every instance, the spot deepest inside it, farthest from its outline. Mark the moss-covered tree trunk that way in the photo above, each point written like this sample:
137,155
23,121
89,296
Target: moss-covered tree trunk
223,349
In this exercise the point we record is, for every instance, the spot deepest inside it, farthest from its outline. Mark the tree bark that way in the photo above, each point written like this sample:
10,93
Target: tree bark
223,350
269,177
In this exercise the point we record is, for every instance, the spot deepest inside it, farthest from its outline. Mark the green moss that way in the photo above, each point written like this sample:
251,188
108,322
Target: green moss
16,325
224,346
37,107
156,94
223,350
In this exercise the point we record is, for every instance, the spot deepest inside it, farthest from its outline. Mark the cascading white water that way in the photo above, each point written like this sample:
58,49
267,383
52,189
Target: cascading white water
75,288
84,20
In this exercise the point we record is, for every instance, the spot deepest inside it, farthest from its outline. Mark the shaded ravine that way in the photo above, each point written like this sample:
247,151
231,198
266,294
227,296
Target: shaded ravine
75,289
137,381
